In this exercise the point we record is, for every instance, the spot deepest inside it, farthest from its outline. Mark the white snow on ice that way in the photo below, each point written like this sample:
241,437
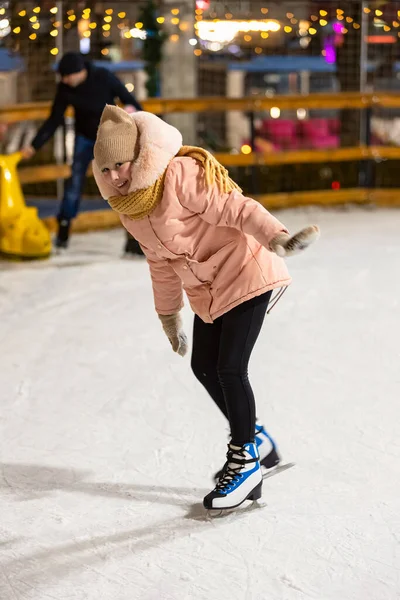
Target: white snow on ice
108,444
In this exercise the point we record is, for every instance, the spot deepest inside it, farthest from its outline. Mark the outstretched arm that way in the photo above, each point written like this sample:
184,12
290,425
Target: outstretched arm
235,210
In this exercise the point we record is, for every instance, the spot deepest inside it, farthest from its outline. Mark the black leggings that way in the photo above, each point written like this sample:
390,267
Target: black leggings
220,357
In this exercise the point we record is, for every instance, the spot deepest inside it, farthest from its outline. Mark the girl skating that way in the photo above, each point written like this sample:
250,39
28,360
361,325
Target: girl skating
201,234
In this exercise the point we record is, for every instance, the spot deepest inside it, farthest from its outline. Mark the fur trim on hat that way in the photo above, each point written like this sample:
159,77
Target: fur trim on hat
158,143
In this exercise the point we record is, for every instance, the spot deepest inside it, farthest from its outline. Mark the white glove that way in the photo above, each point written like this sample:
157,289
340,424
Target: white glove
172,325
284,244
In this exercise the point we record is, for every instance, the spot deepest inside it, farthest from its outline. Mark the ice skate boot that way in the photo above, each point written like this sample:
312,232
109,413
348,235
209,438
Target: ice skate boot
241,479
269,456
62,239
266,446
132,247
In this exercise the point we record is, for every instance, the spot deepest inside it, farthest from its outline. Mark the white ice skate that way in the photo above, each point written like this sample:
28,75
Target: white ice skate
241,479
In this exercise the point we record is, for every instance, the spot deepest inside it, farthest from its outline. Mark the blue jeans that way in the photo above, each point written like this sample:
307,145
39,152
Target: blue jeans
83,155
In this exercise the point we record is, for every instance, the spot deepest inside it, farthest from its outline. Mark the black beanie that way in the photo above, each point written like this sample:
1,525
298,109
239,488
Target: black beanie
71,62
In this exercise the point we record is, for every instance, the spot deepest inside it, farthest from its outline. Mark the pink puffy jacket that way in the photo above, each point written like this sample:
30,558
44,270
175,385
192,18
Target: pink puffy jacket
213,245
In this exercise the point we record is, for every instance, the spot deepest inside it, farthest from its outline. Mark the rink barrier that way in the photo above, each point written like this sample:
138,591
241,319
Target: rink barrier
346,100
108,219
30,111
50,172
385,197
40,110
343,100
95,220
40,173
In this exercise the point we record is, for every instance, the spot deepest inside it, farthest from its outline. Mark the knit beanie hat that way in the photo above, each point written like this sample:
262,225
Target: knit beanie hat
71,62
117,138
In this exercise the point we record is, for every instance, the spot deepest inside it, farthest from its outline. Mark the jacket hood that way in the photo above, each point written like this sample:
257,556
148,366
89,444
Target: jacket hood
158,143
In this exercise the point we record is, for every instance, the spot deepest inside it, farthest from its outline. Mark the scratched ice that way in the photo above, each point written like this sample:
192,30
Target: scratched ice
107,445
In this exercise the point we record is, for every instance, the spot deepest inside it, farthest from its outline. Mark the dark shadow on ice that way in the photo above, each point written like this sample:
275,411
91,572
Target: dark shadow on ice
197,512
40,567
8,543
30,482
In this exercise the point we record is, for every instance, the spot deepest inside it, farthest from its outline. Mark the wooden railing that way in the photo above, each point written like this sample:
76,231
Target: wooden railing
40,110
356,101
106,219
51,172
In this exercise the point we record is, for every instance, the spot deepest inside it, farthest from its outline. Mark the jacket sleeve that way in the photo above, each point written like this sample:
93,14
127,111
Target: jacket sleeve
167,285
55,119
120,91
222,209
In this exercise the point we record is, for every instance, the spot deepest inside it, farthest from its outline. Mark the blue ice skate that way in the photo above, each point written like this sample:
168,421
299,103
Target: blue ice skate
269,456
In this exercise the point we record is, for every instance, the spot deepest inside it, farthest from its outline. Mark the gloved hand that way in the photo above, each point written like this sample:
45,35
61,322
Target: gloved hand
172,325
284,244
28,152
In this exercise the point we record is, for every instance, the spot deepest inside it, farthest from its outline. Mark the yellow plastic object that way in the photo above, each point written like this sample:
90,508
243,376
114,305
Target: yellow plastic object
22,233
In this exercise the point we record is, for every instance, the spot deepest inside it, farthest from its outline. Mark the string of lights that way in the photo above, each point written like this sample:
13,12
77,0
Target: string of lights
211,33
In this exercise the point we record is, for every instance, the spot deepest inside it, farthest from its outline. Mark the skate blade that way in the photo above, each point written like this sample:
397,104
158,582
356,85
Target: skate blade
221,513
278,469
59,251
215,513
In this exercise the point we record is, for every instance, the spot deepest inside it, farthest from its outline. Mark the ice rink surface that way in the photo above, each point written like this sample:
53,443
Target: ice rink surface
108,444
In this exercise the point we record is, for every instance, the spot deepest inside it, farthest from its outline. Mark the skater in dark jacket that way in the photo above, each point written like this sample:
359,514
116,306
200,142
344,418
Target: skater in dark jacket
200,234
88,89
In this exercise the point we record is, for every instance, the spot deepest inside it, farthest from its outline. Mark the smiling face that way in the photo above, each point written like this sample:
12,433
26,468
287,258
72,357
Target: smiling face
119,177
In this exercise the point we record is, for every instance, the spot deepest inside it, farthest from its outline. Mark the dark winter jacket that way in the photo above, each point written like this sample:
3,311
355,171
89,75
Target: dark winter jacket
101,87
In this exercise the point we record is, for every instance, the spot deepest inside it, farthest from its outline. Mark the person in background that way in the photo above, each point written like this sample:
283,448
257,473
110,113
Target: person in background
88,89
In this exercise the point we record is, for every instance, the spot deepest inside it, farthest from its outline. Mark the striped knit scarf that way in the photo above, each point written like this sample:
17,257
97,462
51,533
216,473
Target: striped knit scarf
141,203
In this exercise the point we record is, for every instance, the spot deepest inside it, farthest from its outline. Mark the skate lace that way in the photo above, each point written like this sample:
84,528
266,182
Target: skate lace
232,474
